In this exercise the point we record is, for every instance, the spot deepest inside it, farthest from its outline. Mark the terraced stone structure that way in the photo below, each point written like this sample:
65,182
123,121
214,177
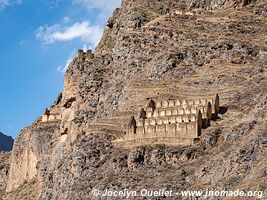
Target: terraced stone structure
170,122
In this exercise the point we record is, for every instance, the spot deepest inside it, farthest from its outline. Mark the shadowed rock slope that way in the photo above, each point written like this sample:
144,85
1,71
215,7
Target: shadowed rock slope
6,145
6,142
148,51
4,168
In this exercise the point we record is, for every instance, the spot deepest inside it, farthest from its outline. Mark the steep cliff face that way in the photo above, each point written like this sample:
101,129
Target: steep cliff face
6,145
4,169
6,142
150,51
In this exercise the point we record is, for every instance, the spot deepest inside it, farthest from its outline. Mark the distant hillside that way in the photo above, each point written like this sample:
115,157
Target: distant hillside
6,142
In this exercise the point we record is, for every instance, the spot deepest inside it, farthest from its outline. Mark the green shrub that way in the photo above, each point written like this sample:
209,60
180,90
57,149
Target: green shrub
160,146
98,75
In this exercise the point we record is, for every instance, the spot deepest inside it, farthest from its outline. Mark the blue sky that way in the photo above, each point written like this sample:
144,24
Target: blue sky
37,40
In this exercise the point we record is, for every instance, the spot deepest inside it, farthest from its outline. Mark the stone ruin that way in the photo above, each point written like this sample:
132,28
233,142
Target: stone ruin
49,116
170,122
85,55
183,13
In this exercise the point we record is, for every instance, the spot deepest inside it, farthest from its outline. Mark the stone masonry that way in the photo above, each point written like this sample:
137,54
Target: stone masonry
170,122
49,116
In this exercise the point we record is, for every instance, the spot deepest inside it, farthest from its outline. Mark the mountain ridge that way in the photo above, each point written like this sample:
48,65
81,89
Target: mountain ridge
6,142
150,51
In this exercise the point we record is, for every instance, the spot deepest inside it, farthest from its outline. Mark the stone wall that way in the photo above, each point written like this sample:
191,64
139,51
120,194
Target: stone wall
182,12
51,117
88,55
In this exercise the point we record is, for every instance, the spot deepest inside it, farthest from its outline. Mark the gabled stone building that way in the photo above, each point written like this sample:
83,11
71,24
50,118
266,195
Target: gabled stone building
49,116
170,122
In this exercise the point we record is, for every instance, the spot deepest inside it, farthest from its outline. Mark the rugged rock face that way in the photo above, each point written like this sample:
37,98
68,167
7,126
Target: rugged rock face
6,143
148,51
4,169
28,147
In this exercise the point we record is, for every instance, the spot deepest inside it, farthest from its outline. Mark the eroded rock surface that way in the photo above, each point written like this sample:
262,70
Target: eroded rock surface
149,51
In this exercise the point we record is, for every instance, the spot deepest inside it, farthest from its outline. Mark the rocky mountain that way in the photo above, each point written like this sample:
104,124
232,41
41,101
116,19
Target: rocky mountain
6,142
154,49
